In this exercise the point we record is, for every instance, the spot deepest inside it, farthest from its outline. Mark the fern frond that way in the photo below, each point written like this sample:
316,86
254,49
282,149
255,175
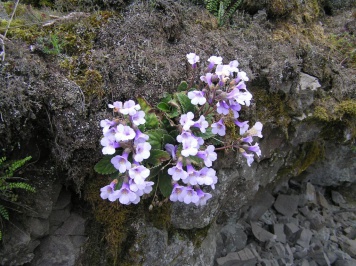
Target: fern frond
16,165
4,213
22,185
222,9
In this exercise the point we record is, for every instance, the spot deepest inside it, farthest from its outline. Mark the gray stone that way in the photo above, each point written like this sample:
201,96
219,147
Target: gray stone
320,257
260,233
303,238
248,256
261,204
310,193
73,226
286,204
278,230
345,262
290,229
322,200
63,200
337,198
37,227
234,237
278,251
269,217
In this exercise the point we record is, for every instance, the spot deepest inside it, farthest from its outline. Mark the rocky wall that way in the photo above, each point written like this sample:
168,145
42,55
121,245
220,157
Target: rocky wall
51,104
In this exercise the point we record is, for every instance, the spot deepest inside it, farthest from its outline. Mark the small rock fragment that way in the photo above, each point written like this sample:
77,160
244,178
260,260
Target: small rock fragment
286,204
303,238
337,198
278,230
260,233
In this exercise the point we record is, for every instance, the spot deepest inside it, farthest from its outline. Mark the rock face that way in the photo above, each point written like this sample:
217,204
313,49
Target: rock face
276,212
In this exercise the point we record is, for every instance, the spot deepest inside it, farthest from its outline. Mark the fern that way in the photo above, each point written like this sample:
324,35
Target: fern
4,213
9,184
222,9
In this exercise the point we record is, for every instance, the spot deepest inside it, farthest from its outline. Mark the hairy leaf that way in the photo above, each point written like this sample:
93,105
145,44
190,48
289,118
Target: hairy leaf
157,157
185,102
183,86
104,166
155,137
165,183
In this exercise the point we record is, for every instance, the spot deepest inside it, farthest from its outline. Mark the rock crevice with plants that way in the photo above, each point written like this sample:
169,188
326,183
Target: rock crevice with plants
57,80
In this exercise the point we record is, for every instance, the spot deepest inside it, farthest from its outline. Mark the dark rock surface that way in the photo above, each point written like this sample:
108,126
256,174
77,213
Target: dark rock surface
267,213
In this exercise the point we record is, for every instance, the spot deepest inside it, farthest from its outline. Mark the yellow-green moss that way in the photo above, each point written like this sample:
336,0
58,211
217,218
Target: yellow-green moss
160,217
321,114
346,108
272,107
113,216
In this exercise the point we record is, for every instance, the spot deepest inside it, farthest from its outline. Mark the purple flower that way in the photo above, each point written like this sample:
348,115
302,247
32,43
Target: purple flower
197,97
116,106
109,143
203,197
121,163
249,157
208,155
233,66
235,107
172,150
202,124
190,196
214,60
207,176
256,149
106,124
243,126
107,192
222,108
247,139
178,193
125,195
190,147
218,128
177,172
142,151
240,94
192,175
138,118
256,130
130,108
124,133
207,79
193,59
242,76
186,120
139,173
140,137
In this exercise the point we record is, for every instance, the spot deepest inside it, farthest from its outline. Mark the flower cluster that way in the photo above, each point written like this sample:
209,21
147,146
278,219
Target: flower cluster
176,148
124,133
225,92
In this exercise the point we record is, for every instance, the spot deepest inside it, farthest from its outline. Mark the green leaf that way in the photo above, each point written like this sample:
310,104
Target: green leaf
163,107
168,139
183,86
4,213
165,183
155,138
152,121
104,166
207,135
145,106
157,157
196,161
154,171
185,102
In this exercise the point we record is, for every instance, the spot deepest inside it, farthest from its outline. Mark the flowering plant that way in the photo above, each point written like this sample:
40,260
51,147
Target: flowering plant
172,147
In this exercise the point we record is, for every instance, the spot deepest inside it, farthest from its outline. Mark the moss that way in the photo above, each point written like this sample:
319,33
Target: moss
160,217
114,217
343,45
321,114
307,154
346,108
273,107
